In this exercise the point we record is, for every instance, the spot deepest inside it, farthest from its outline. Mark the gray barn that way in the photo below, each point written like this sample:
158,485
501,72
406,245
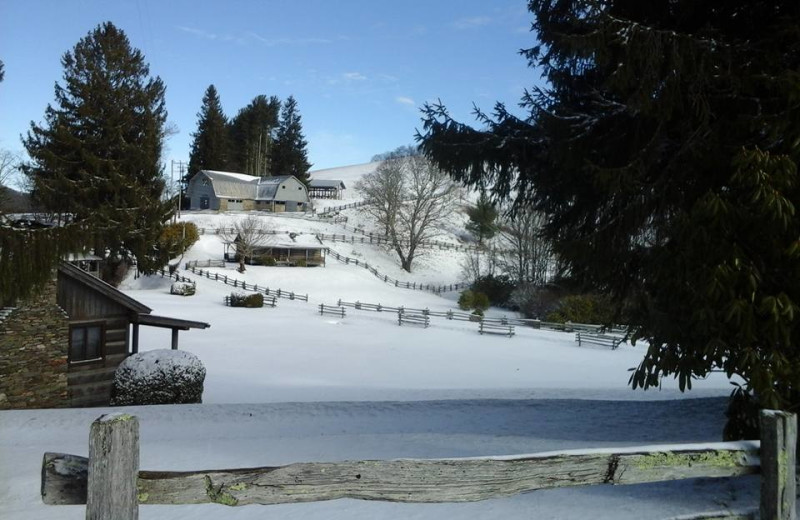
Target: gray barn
227,191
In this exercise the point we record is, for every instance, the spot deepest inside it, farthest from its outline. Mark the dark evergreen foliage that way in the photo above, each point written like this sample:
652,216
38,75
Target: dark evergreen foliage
210,147
290,156
664,152
497,288
97,156
252,135
482,217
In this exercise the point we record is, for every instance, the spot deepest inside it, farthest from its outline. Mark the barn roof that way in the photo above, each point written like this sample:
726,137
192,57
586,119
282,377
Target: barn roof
242,186
327,183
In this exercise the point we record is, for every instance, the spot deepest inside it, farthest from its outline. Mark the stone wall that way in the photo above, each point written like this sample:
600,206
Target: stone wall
34,339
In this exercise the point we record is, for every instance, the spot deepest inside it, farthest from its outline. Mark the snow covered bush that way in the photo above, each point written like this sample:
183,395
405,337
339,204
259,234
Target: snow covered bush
159,377
247,300
182,288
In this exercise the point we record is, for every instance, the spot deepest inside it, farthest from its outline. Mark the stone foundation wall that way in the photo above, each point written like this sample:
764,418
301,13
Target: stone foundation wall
34,339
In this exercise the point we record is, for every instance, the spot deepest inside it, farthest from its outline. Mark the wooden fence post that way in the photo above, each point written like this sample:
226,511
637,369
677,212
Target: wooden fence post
778,448
113,468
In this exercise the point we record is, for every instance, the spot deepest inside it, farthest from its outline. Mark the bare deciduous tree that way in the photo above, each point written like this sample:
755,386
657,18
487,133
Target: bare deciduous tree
247,234
9,164
524,254
410,199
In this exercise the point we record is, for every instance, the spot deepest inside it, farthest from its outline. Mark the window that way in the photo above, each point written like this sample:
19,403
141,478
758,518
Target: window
86,342
204,202
283,187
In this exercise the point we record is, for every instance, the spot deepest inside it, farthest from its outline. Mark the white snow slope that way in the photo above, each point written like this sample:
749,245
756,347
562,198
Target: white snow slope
287,385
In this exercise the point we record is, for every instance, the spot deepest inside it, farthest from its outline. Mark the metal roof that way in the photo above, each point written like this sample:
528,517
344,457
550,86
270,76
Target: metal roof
326,183
228,185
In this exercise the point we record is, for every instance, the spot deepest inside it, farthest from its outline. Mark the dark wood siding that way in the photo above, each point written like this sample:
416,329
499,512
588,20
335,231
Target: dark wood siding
83,303
90,382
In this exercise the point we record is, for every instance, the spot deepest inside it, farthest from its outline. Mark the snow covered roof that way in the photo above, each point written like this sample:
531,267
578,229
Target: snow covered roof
268,187
326,183
242,186
292,241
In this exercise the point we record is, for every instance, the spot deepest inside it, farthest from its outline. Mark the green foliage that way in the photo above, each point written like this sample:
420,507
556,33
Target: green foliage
290,156
97,155
480,302
473,300
175,239
28,257
482,218
247,300
477,312
300,262
664,153
267,260
252,134
466,300
742,413
210,144
582,308
497,288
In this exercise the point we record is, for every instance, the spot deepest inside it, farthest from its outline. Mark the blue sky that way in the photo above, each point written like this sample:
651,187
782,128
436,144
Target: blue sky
359,69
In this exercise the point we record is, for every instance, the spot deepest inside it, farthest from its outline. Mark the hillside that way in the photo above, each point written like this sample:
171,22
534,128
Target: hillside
285,385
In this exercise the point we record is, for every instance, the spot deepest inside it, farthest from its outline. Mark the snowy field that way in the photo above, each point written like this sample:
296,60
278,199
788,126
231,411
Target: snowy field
287,385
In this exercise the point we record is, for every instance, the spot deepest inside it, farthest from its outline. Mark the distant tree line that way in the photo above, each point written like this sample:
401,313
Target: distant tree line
265,138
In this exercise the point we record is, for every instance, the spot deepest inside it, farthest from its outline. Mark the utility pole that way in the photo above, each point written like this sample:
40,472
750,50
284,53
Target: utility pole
182,166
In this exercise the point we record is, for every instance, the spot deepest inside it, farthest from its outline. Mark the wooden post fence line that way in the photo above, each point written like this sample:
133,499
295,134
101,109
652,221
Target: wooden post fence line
436,289
280,293
111,485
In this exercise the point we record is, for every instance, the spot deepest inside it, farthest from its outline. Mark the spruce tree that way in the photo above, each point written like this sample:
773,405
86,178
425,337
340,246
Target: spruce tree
97,156
252,134
290,156
482,217
664,152
210,147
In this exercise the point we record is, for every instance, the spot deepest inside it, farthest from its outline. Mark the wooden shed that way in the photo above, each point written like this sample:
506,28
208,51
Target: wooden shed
103,331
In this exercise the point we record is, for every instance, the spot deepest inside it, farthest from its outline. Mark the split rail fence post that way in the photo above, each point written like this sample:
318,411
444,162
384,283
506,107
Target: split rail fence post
113,468
778,448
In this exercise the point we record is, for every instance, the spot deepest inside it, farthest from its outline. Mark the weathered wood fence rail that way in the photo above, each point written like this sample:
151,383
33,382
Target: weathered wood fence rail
111,485
227,280
437,289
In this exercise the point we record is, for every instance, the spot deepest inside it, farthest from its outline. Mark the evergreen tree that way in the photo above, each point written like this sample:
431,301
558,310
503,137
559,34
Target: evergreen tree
482,217
664,152
210,148
290,156
97,156
252,134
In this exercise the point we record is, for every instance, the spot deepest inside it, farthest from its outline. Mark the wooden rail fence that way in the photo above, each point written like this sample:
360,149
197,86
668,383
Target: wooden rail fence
111,485
437,289
280,293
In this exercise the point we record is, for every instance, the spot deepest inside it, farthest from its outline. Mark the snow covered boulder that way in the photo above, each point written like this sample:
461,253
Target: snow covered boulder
159,377
182,288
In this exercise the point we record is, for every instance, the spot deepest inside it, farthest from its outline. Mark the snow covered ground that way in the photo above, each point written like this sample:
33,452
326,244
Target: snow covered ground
287,385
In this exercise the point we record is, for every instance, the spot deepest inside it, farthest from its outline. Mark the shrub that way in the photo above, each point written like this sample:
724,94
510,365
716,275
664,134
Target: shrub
176,238
247,300
534,301
480,302
159,377
182,288
497,288
301,263
477,312
582,308
269,261
465,300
